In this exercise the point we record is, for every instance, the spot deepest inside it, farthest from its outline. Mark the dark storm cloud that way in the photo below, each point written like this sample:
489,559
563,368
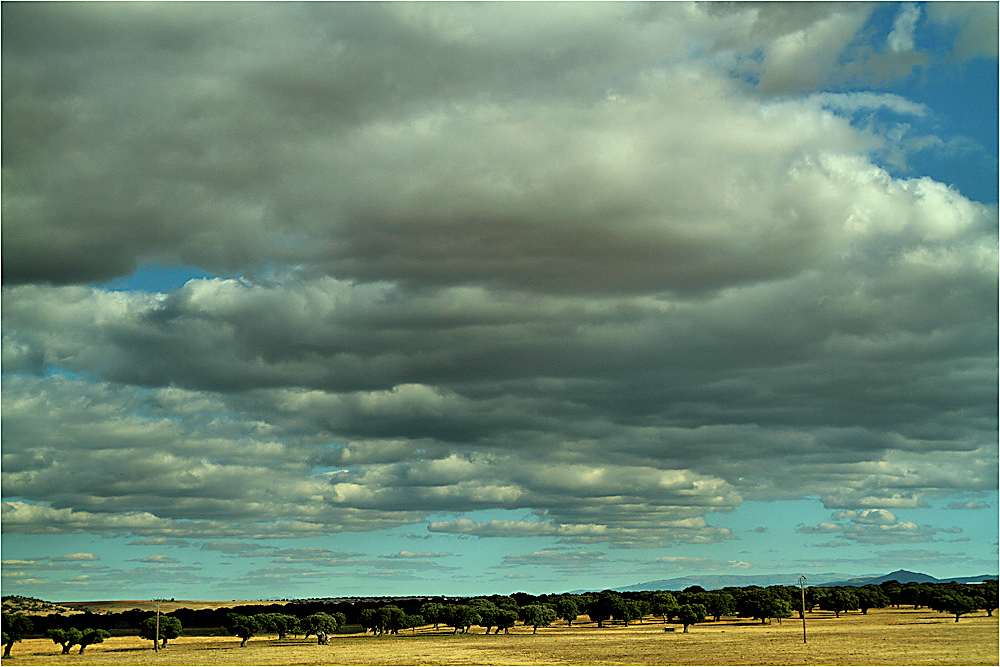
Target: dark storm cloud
551,258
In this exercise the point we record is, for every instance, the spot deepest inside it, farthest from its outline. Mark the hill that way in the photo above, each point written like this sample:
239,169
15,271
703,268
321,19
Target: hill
907,577
26,605
716,581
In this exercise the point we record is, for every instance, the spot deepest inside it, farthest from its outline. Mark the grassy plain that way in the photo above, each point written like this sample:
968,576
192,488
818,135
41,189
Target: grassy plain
883,637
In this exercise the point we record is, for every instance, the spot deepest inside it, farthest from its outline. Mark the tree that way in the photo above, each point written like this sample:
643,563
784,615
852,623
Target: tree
15,628
537,615
663,604
487,612
91,636
814,597
986,593
689,614
607,605
892,590
871,597
914,593
505,619
953,602
720,604
367,620
411,621
390,618
433,612
838,600
242,626
283,624
170,628
461,617
567,610
631,611
320,624
67,638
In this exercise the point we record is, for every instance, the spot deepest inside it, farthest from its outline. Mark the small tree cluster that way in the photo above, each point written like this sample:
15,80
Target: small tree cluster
70,637
170,628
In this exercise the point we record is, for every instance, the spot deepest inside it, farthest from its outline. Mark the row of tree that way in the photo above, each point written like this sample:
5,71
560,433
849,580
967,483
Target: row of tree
499,612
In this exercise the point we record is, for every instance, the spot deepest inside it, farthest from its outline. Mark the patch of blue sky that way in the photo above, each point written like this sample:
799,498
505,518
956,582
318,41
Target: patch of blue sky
963,100
155,278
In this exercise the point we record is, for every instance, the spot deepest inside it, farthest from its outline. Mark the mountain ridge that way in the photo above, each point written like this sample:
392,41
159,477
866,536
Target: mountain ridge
716,581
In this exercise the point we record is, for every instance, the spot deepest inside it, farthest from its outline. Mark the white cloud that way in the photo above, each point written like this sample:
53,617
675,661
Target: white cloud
874,526
901,37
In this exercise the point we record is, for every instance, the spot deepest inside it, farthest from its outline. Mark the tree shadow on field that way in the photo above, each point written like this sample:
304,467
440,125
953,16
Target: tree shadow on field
737,624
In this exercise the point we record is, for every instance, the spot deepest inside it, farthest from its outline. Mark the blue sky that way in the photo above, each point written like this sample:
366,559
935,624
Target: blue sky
320,299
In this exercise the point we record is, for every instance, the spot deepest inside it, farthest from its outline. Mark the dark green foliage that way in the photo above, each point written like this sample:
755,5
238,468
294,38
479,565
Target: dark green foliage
814,597
433,612
689,614
15,628
67,638
954,602
505,619
487,612
461,617
170,628
242,626
283,624
663,604
537,615
566,609
322,625
762,603
608,605
871,597
92,636
390,618
720,604
986,594
840,599
892,590
367,620
412,621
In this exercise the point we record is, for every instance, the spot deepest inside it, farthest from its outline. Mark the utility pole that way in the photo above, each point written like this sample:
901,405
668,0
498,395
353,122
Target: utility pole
802,585
156,637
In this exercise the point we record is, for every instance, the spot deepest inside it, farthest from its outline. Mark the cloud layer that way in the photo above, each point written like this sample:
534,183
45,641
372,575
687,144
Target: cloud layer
618,266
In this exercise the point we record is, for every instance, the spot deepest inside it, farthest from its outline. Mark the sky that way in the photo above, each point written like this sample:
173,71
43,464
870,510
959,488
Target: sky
320,300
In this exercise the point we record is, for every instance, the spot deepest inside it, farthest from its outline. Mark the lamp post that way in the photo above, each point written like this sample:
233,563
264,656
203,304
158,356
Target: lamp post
802,586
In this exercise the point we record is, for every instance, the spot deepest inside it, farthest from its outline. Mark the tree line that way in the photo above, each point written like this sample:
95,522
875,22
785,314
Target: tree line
498,613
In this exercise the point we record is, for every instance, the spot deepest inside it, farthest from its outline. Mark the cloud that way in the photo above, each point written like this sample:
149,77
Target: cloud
875,526
160,542
560,561
418,555
690,564
158,559
74,558
901,37
974,21
967,505
617,268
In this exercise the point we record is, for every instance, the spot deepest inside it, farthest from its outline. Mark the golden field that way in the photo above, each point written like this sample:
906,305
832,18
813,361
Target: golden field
882,637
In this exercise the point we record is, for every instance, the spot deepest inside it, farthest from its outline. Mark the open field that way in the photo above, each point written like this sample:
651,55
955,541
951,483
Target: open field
883,637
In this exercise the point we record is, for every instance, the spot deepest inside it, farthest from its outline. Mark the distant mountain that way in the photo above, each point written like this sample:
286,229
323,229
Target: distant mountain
712,582
906,577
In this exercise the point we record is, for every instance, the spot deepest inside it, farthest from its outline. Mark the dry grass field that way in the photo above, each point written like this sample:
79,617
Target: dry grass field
883,637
